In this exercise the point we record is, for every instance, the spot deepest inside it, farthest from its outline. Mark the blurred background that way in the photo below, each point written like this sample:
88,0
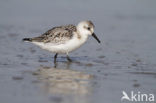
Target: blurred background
125,60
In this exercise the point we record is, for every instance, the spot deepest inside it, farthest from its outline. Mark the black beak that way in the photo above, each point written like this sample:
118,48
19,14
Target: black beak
96,37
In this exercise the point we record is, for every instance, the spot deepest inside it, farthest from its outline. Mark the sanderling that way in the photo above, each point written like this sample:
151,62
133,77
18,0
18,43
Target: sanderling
64,39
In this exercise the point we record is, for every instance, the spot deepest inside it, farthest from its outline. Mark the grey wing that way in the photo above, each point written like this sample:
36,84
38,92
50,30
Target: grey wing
57,35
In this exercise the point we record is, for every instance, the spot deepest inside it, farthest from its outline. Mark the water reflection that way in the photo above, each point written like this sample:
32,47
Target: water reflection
64,81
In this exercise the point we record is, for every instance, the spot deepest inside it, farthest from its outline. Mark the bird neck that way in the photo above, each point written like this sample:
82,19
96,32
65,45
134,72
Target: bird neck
81,36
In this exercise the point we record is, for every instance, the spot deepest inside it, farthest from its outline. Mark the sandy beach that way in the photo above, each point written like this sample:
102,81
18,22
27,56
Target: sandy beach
124,61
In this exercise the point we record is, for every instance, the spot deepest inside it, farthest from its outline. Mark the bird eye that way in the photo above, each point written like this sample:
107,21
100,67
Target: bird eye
88,28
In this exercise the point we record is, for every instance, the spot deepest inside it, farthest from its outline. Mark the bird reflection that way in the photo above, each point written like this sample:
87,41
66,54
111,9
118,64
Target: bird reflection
67,64
64,81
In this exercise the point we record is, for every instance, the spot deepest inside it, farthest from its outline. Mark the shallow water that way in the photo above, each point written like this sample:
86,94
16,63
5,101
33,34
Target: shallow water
124,61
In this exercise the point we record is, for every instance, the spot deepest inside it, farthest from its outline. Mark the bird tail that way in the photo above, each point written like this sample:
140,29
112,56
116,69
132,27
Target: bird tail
27,39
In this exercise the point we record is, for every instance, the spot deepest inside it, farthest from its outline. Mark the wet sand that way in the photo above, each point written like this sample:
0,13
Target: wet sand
124,61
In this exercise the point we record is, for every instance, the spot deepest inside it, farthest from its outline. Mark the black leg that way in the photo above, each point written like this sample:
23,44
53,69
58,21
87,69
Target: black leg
69,58
55,57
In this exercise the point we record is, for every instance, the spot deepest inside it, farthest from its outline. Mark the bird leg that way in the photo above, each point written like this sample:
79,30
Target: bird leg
55,57
68,58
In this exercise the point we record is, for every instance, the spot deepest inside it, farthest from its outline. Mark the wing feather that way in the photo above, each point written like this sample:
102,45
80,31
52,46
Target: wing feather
56,35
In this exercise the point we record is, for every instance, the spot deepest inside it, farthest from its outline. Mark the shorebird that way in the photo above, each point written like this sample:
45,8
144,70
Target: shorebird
64,39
